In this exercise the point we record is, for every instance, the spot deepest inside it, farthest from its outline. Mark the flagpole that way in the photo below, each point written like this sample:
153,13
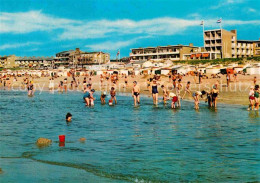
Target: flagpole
119,55
203,36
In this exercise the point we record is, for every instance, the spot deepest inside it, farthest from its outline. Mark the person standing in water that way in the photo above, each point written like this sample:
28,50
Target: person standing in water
155,92
113,95
178,91
136,93
65,85
256,95
187,89
196,96
165,94
214,94
251,98
30,89
103,98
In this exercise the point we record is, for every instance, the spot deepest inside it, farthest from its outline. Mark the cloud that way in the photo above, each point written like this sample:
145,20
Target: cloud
223,3
109,45
25,22
251,10
103,28
69,29
17,45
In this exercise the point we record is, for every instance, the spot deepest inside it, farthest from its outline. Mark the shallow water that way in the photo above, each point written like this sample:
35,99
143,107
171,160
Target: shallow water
125,143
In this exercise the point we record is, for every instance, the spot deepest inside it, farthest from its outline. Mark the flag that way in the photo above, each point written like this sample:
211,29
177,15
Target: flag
118,53
202,22
219,20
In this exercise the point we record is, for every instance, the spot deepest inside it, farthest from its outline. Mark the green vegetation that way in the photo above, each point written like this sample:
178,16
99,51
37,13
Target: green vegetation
224,61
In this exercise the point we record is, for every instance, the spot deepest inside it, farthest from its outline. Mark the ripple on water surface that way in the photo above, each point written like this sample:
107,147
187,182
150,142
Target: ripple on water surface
125,143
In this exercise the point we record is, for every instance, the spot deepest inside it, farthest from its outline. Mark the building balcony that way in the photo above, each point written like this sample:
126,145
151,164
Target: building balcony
154,54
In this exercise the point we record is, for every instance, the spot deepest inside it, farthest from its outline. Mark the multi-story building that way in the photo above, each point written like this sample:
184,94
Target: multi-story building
256,47
7,61
220,43
174,53
78,57
35,62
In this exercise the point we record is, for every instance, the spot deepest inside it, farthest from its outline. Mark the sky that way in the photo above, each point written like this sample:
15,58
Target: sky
46,27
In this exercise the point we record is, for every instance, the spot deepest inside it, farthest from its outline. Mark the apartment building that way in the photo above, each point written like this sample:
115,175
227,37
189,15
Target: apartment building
33,62
7,61
256,47
221,43
171,52
78,57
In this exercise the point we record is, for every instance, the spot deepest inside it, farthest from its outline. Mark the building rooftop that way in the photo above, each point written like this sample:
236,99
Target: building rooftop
179,45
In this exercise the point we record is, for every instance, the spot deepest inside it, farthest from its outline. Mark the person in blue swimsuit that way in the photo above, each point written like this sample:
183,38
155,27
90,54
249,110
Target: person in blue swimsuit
155,92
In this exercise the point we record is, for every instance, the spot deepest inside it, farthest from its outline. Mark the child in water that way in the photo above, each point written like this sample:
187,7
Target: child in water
136,93
174,100
103,98
165,94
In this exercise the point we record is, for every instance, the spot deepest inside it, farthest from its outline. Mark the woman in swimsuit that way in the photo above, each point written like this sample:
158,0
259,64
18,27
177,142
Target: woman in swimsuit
251,98
214,93
113,95
256,95
155,92
86,95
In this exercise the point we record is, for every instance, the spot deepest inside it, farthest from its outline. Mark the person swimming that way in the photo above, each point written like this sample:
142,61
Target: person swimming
68,117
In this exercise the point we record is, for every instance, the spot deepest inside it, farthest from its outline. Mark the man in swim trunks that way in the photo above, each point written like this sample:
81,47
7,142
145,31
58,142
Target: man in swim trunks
136,93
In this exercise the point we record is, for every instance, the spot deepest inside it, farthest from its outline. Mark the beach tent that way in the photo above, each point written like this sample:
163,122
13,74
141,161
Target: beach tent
253,70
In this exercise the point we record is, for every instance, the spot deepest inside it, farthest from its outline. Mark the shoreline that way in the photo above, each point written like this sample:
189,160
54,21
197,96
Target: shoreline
126,93
235,94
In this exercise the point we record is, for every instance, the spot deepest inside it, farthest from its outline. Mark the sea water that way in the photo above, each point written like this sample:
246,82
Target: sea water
125,143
